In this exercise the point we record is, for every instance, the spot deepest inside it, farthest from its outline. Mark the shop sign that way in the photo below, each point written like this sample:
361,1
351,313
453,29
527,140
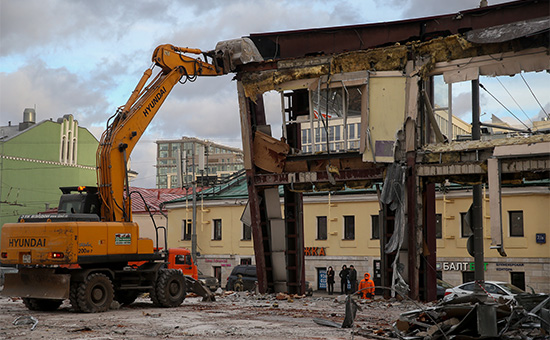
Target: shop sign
508,267
460,266
314,251
216,260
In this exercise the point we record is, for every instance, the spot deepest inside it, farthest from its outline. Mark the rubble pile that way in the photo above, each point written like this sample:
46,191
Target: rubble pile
472,317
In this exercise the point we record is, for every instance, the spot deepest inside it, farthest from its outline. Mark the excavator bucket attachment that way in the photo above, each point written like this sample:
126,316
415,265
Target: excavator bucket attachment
199,288
237,52
40,283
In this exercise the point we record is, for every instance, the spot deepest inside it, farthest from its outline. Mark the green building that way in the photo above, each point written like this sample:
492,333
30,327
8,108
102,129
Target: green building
38,158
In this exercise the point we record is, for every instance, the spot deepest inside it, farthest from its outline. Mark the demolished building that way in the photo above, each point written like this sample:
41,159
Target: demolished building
375,83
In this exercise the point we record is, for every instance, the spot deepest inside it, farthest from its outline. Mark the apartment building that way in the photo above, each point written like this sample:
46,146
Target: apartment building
181,161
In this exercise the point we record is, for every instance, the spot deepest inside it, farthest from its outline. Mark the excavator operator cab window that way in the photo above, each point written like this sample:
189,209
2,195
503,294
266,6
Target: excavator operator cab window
71,204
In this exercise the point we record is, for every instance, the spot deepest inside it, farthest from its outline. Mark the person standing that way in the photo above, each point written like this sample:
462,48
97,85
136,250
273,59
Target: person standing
366,287
344,279
352,277
330,280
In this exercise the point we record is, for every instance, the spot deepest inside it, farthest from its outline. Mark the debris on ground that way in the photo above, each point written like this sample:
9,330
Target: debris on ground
26,320
472,317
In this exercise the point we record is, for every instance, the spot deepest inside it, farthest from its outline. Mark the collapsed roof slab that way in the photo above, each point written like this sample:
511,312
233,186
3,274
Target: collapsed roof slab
441,52
336,40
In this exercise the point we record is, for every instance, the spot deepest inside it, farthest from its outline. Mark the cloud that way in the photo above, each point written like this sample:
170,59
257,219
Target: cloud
54,91
85,57
423,8
35,24
544,113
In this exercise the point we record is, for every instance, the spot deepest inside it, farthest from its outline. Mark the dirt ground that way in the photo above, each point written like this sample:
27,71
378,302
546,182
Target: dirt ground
233,316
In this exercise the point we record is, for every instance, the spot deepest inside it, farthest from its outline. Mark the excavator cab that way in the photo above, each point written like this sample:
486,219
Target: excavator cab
84,201
75,204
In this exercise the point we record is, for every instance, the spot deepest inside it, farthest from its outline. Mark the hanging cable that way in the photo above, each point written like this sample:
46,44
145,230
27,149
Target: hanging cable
498,101
505,89
529,87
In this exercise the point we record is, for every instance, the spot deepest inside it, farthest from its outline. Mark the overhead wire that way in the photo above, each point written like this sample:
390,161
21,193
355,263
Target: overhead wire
505,89
498,101
529,87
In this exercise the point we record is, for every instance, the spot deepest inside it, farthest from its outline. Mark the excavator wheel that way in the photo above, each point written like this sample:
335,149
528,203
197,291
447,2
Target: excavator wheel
42,304
169,288
153,295
126,297
95,294
73,297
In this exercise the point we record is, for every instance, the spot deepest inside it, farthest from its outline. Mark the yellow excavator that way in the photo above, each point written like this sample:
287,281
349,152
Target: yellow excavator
86,252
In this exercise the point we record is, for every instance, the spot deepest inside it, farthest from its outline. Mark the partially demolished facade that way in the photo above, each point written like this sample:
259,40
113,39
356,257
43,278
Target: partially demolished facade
373,86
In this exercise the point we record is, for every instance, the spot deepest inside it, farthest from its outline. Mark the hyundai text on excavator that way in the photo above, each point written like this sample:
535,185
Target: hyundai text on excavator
90,251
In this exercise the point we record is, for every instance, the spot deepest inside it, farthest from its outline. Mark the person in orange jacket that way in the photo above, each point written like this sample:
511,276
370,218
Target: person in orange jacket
366,287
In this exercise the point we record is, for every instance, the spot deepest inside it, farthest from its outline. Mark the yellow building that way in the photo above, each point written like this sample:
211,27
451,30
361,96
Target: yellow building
343,229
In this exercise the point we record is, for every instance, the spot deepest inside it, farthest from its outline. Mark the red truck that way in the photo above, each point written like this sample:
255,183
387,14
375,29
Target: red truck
181,259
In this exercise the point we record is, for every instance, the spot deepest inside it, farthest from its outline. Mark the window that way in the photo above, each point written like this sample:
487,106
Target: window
516,223
469,287
246,260
351,131
349,227
465,228
184,259
175,149
186,230
468,277
438,226
305,136
331,133
321,227
375,227
217,230
518,279
163,150
247,232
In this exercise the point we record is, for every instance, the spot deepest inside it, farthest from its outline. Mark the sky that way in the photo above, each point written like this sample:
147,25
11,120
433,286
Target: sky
84,58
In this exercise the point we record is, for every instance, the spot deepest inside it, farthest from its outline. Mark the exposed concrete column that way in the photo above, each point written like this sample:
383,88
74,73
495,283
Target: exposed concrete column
477,209
430,274
248,128
413,228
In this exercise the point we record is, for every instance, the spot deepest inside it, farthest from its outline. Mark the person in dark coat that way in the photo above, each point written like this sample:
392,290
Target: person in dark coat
330,280
344,279
352,277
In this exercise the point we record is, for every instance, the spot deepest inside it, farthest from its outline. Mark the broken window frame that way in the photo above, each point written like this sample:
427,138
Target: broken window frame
321,129
340,82
493,65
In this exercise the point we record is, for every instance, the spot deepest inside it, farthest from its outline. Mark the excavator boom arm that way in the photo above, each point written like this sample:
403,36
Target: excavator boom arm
131,120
